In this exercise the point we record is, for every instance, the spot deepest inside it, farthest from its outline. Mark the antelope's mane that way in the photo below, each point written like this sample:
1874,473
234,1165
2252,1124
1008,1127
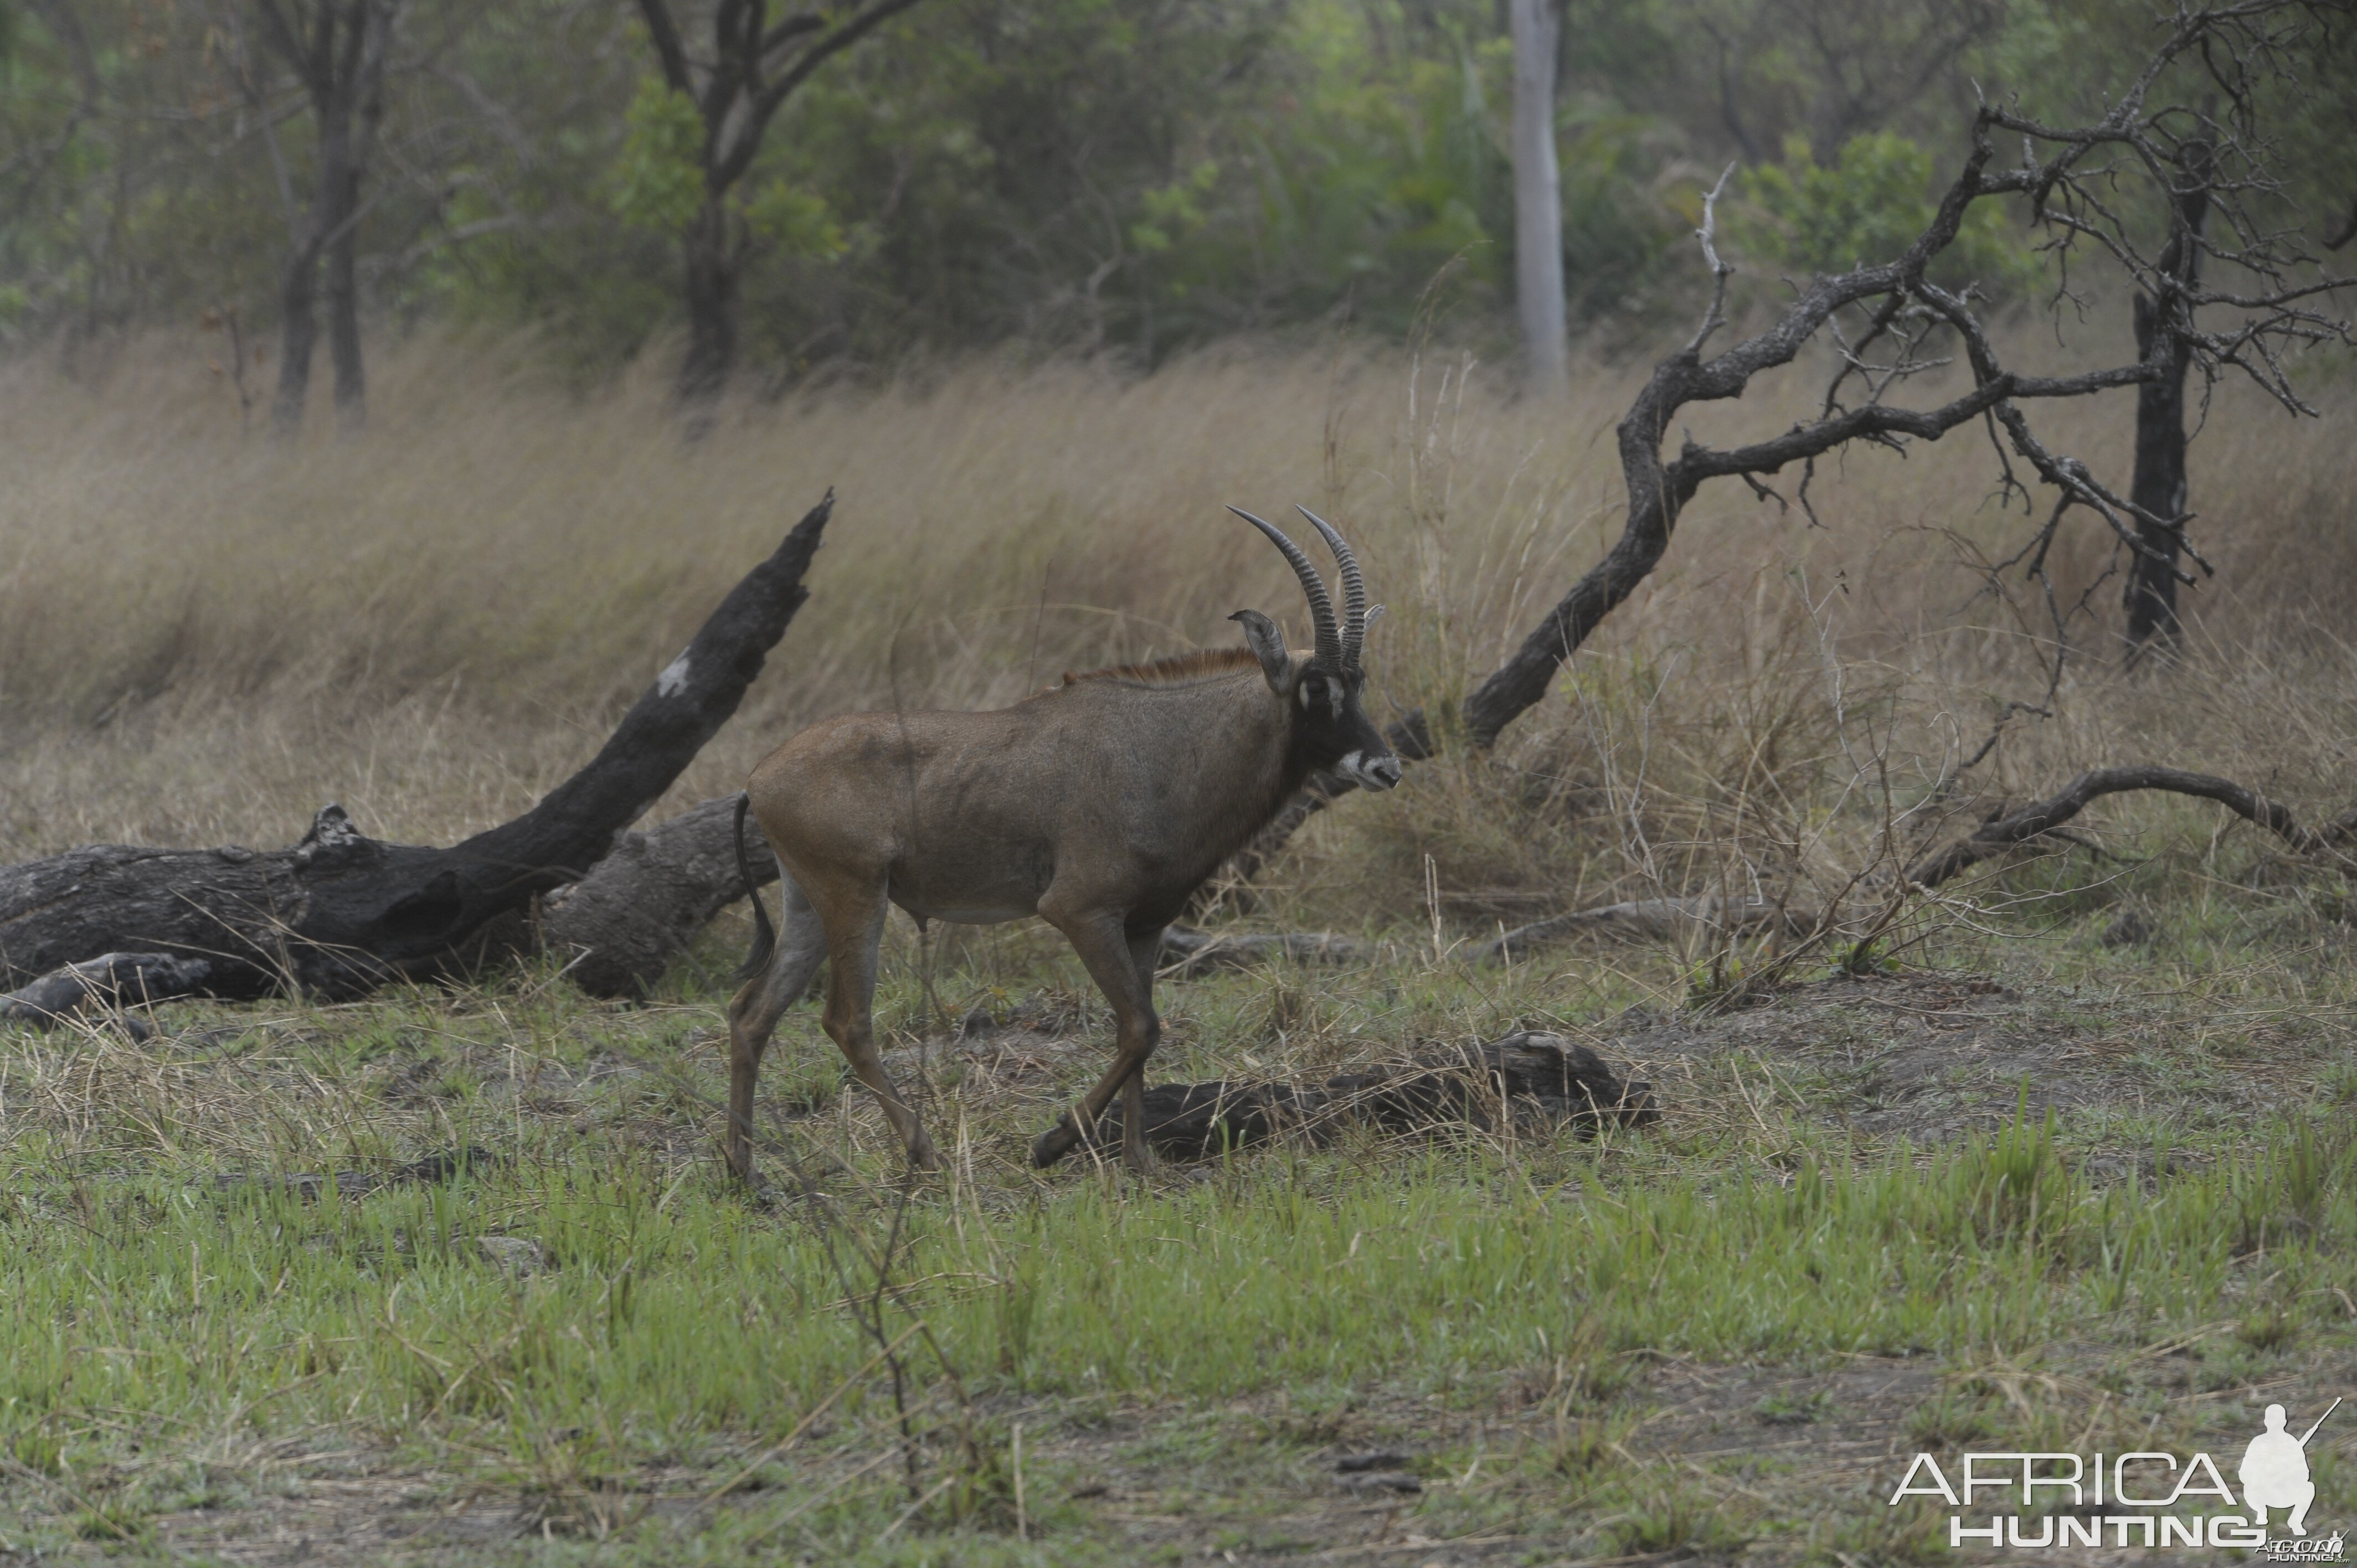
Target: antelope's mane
1177,670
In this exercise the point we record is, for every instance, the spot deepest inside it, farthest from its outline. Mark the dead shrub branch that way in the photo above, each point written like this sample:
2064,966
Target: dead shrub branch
2076,197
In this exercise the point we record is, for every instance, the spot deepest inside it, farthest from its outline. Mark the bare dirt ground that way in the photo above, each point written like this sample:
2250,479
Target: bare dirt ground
1926,1057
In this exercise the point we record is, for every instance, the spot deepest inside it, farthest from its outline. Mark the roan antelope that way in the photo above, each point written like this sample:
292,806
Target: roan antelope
1099,805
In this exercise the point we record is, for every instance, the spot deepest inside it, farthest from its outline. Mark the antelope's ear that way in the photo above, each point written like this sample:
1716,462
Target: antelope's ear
1267,644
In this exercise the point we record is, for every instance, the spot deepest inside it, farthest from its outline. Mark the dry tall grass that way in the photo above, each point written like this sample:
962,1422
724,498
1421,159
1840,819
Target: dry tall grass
204,634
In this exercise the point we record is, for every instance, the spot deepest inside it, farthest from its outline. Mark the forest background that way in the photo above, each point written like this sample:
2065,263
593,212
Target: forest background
1125,178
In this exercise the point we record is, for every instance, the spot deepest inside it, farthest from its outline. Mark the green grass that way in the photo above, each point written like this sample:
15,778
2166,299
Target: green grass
184,1342
667,1312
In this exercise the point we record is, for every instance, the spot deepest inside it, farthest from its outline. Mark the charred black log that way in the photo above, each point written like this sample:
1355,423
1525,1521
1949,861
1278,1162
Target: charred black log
341,913
1528,1082
107,984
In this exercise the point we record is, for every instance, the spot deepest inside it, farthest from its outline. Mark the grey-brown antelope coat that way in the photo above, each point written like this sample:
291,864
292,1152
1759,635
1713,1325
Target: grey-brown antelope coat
1099,805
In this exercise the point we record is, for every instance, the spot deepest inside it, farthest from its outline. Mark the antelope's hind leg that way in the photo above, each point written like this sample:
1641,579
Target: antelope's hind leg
1122,963
853,935
754,1013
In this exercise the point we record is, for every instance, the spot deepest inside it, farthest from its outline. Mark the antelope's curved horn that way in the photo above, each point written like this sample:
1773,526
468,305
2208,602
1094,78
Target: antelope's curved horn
1321,608
1354,588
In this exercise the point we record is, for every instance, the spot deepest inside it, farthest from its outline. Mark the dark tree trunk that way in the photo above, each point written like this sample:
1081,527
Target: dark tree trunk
339,199
340,913
2158,485
712,276
738,82
1659,488
344,334
340,61
299,332
364,103
2158,488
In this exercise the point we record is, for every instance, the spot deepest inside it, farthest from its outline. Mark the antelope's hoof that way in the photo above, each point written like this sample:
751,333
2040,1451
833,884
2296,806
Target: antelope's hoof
1054,1143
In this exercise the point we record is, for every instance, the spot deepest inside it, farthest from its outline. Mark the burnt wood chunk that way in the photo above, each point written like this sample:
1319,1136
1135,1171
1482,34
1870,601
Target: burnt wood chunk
1530,1082
107,983
338,913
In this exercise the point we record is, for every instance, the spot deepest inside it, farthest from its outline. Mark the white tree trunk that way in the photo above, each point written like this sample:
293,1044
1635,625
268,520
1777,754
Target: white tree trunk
1538,197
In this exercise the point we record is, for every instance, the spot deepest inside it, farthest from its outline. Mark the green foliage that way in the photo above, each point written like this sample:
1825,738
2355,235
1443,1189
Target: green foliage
1124,175
1867,206
797,222
657,183
1175,209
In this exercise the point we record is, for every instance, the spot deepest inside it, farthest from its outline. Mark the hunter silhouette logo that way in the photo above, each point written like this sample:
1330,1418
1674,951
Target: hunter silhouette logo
2275,1471
2146,1499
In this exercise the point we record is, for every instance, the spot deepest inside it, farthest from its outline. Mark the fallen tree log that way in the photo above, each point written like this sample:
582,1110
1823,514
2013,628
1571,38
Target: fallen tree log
338,913
2333,845
619,927
1531,1082
108,983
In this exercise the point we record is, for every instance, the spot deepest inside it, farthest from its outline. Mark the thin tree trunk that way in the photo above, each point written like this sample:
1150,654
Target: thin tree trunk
339,184
711,307
1538,199
366,94
2158,485
298,331
344,337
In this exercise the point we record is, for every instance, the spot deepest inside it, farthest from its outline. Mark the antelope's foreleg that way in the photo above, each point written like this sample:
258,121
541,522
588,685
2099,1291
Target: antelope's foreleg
855,931
1144,952
753,1015
1112,956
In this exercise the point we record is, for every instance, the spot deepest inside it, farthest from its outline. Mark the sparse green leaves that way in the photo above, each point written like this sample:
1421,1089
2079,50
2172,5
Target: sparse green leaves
1174,208
1866,208
797,221
657,183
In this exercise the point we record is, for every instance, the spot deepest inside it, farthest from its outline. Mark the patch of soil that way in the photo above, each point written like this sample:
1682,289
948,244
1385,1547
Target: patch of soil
1930,1056
1465,1481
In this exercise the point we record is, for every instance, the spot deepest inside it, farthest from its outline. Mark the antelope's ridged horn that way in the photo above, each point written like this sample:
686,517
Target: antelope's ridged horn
1328,642
1354,588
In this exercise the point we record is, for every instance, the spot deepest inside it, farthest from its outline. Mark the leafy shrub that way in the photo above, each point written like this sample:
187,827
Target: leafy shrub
1864,207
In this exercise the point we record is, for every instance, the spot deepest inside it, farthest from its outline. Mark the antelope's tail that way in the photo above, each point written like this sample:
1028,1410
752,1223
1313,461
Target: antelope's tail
765,935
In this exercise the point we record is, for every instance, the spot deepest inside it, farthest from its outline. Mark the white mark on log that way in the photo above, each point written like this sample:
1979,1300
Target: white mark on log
674,680
333,828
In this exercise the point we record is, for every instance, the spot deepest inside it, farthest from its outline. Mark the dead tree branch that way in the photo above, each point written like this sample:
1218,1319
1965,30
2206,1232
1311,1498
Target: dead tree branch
2331,844
2334,844
2270,302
